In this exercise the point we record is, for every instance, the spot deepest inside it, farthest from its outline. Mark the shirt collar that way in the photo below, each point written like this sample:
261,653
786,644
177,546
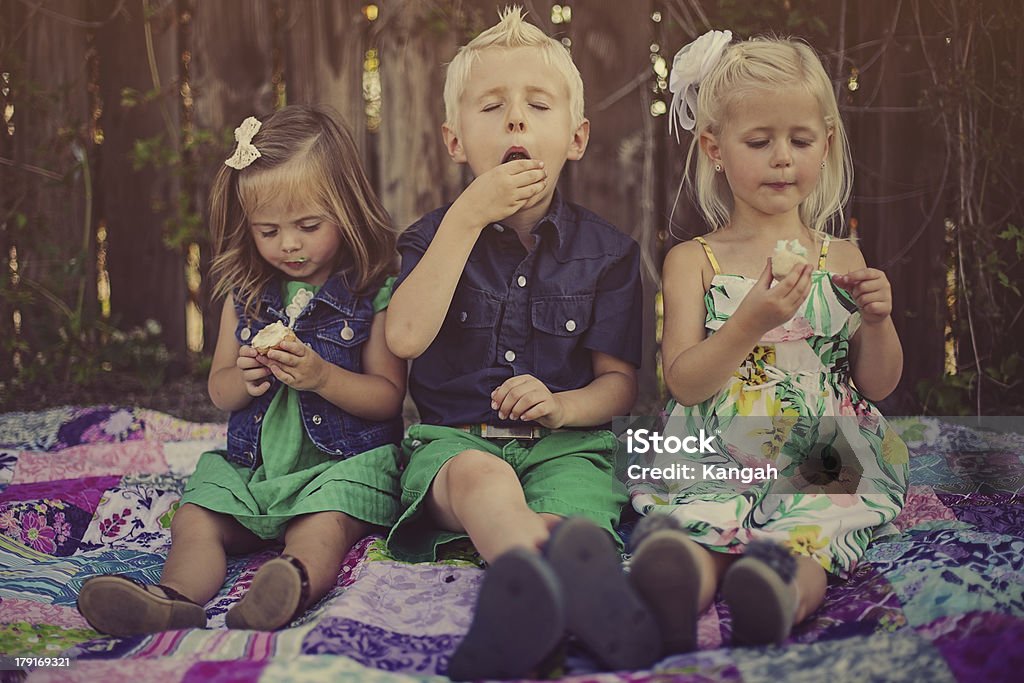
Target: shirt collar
556,220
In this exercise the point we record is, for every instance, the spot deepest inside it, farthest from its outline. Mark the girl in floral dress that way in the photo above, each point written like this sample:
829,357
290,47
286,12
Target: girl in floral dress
300,241
781,370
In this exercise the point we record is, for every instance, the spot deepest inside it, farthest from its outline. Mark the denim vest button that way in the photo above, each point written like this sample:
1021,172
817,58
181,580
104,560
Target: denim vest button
257,418
570,325
347,333
521,281
463,317
245,334
510,355
317,419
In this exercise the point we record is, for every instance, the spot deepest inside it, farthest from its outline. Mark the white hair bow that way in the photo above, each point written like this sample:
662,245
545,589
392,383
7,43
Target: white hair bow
245,152
691,65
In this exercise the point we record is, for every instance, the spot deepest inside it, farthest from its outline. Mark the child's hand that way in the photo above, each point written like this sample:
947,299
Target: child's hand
767,307
502,191
871,290
254,371
524,397
298,366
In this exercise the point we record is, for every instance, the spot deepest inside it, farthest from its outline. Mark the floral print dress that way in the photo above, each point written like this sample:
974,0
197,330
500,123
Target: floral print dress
842,470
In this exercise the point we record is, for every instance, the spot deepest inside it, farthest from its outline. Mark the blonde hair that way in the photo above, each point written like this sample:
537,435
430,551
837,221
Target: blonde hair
510,31
758,64
306,154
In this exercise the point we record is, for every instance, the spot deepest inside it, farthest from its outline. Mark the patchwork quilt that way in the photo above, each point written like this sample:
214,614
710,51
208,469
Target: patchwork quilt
85,491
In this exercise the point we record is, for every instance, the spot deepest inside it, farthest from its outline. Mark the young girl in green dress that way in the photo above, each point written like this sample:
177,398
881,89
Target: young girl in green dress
781,372
299,239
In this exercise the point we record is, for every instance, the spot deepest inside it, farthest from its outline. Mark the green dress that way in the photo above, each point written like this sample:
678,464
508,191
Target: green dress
842,470
294,477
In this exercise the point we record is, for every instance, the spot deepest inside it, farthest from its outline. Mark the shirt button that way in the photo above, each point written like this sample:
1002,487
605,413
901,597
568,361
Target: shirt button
521,281
245,334
463,317
570,325
510,355
317,419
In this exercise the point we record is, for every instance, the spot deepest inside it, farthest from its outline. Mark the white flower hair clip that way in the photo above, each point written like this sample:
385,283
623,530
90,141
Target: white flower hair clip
691,65
245,152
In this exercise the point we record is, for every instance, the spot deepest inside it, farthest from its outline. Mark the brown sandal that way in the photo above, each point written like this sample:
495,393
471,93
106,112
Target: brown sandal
119,605
277,596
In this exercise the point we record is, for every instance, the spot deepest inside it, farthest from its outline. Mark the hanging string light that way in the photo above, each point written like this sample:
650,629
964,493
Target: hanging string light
371,78
561,15
659,67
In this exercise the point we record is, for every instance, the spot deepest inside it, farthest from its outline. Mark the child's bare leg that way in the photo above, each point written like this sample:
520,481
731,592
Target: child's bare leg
713,567
200,540
194,570
770,590
320,541
526,601
811,582
480,494
551,520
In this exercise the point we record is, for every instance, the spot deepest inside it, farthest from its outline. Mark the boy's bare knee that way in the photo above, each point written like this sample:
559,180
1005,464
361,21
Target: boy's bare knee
472,468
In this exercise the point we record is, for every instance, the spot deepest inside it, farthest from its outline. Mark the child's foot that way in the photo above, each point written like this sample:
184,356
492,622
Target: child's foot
277,596
602,609
761,595
519,619
666,572
120,606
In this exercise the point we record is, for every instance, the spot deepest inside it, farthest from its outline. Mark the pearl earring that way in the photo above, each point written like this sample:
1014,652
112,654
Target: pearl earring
823,163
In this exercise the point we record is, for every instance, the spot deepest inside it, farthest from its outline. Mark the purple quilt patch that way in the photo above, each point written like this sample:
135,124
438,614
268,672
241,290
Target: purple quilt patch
227,671
379,648
48,526
84,493
1002,513
863,605
99,425
993,656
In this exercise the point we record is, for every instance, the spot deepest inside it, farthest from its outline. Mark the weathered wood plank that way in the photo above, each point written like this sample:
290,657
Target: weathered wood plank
147,278
324,46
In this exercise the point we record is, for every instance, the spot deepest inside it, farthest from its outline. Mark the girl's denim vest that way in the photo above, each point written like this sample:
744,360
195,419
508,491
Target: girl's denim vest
335,324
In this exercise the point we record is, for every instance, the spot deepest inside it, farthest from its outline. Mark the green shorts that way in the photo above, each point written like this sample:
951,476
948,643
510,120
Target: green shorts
364,486
569,473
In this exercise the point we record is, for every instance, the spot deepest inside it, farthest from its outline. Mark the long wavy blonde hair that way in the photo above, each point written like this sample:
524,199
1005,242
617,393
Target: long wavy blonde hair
308,155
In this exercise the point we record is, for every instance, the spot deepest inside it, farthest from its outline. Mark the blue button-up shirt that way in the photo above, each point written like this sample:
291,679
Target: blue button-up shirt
517,312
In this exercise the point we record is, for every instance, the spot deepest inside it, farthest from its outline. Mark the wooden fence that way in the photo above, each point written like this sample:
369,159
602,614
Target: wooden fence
88,80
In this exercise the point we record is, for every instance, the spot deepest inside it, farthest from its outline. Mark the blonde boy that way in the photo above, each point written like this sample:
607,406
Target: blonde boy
522,313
